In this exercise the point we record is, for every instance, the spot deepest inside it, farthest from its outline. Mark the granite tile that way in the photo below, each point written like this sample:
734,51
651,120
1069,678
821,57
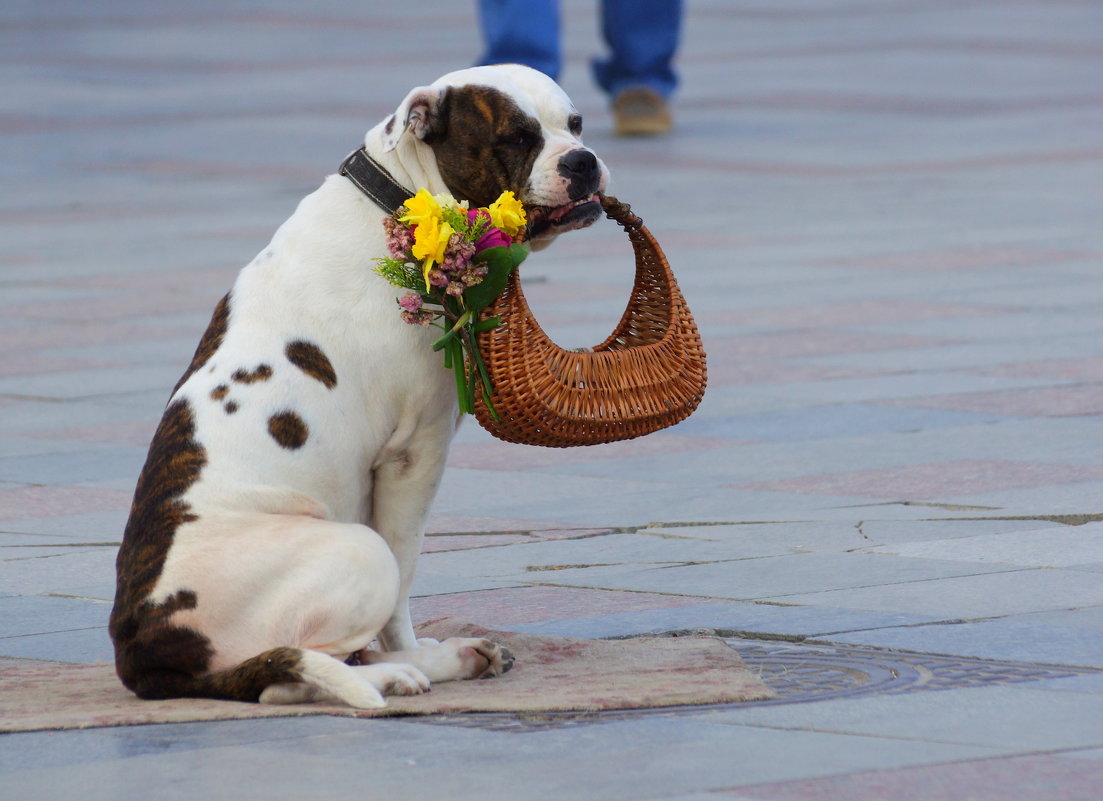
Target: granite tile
788,578
508,606
77,646
1019,778
1015,592
33,614
1048,547
1008,717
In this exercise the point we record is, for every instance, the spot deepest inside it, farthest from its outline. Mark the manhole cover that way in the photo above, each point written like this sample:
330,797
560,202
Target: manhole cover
800,672
803,672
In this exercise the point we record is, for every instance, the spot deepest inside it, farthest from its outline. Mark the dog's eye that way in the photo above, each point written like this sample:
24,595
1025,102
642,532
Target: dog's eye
574,124
516,139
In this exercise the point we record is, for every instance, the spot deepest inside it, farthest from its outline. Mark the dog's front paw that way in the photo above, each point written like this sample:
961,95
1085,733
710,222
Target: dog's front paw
395,678
481,658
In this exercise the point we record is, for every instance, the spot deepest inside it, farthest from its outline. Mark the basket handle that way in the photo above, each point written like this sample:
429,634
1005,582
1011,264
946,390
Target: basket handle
621,212
666,311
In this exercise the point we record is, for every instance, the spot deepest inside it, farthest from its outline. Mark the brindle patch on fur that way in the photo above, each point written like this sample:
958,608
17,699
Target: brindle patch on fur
230,407
484,143
288,430
153,657
220,392
309,358
211,340
147,645
262,372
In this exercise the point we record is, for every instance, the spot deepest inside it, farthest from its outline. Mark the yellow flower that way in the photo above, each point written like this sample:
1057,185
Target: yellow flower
430,240
420,208
507,213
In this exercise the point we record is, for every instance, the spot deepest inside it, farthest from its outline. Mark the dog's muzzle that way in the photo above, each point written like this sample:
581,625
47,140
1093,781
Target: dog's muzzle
582,171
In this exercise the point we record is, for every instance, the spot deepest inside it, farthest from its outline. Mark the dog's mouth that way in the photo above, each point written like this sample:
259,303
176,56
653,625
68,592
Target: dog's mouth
568,217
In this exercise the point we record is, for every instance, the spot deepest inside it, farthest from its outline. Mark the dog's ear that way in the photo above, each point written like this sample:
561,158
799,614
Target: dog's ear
419,114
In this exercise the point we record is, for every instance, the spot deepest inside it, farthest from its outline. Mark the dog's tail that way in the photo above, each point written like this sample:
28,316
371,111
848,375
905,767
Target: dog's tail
249,679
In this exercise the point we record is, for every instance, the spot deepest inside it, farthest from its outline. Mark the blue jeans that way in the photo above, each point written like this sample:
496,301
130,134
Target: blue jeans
642,36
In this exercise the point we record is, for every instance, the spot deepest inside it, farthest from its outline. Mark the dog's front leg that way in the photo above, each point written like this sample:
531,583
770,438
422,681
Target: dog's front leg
402,492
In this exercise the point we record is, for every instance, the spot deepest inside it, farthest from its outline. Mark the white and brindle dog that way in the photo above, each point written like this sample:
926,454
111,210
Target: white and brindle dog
278,518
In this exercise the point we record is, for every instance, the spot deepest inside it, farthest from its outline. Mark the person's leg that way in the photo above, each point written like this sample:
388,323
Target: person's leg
521,32
642,36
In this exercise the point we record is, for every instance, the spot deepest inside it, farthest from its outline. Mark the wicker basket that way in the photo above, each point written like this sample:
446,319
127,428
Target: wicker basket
647,375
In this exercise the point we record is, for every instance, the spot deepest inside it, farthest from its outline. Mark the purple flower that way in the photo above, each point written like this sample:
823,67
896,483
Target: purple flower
411,302
422,317
457,257
399,238
437,277
493,238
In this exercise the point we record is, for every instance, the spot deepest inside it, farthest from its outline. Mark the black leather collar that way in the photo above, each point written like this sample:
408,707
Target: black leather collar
373,180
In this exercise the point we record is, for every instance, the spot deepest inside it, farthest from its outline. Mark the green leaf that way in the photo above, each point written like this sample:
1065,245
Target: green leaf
486,325
460,371
500,262
444,340
477,358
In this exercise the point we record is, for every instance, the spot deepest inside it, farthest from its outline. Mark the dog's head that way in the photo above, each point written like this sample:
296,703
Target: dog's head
506,127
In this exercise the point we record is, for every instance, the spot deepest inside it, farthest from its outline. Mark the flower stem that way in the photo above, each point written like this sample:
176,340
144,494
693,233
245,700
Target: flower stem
453,332
460,371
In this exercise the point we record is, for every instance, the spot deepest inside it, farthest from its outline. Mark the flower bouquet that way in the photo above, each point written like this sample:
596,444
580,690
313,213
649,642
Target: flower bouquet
454,261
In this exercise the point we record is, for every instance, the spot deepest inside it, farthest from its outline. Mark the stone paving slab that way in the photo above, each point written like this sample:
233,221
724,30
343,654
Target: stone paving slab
34,614
666,755
981,780
748,619
785,578
996,717
1049,547
1074,643
977,595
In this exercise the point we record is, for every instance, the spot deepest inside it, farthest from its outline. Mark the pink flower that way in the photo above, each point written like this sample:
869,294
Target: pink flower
418,318
399,238
493,238
411,302
458,257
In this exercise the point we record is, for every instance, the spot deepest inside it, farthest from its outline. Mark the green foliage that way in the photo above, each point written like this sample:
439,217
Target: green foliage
500,262
405,274
457,218
459,342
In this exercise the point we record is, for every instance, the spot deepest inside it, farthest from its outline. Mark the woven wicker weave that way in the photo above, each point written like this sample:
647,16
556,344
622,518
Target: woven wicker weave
647,375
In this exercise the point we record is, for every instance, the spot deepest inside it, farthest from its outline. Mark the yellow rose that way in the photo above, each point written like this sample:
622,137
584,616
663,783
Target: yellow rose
507,213
430,240
420,208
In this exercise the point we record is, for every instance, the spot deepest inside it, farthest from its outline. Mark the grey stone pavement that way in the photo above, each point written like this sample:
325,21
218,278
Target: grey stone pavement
886,216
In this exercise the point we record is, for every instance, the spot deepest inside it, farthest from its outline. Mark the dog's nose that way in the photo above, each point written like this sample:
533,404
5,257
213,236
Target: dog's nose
581,163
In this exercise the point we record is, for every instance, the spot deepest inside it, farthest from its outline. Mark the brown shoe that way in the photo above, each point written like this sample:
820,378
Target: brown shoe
640,111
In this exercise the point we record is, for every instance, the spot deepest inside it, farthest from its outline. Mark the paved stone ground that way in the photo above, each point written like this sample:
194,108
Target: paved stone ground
886,216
